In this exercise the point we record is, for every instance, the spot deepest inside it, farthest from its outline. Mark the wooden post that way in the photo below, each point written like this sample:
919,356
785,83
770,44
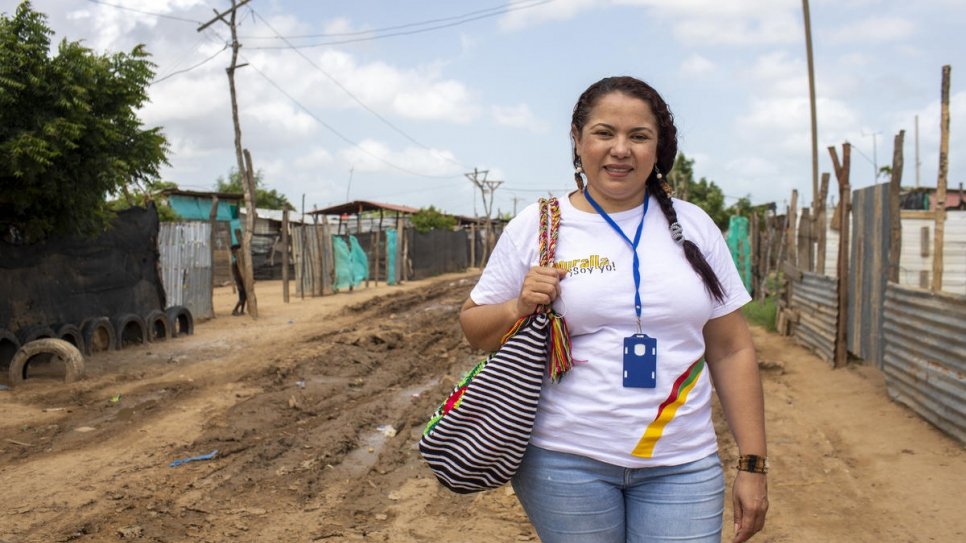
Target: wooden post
804,239
790,225
755,235
820,226
473,245
895,221
940,233
212,216
248,272
285,253
845,197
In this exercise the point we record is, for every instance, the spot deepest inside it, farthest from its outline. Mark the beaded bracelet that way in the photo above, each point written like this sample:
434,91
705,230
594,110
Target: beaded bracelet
753,463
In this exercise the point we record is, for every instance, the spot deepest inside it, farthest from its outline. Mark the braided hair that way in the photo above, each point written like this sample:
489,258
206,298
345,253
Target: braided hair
667,149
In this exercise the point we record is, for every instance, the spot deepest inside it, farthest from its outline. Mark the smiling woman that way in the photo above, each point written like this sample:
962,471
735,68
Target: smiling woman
623,449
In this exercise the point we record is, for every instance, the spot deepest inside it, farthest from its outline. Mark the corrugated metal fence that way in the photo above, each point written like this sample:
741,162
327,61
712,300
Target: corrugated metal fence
925,355
815,301
186,266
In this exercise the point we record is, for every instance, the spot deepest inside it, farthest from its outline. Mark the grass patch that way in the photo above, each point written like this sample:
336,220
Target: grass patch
761,313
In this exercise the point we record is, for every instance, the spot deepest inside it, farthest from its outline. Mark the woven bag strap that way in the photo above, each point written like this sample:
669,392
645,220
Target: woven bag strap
549,225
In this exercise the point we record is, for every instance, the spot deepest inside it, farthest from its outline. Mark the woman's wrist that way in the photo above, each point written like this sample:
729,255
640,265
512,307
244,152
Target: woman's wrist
753,463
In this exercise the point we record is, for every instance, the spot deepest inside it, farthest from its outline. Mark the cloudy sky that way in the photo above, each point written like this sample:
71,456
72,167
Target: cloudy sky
395,101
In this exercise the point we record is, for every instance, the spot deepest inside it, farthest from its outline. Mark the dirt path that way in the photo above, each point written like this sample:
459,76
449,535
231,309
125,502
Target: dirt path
315,410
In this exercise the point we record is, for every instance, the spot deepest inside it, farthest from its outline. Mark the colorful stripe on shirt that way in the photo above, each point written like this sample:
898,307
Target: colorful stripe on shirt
679,394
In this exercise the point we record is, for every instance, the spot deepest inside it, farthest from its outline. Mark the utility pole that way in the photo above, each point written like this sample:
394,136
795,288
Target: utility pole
918,162
811,97
247,177
486,186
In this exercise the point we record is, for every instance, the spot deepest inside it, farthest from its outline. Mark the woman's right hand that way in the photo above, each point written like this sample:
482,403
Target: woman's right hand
541,286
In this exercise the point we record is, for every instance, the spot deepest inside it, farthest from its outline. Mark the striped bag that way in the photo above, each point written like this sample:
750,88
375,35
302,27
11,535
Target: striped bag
477,437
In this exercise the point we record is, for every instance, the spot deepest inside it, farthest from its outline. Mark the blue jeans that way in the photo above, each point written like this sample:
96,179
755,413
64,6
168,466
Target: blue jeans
572,499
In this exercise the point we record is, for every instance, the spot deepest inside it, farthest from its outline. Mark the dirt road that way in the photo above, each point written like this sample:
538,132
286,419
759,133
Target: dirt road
315,409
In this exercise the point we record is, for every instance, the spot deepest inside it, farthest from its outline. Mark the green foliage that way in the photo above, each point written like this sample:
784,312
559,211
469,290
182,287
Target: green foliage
762,313
265,199
702,193
69,133
429,218
151,192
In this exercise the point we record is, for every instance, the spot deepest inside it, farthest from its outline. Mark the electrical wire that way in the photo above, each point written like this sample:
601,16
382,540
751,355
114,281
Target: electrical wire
374,34
153,14
172,74
355,98
341,136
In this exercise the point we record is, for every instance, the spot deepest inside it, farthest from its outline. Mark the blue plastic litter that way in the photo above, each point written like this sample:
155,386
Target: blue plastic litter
180,461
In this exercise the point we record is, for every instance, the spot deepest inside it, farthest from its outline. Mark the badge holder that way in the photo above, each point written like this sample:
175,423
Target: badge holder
640,361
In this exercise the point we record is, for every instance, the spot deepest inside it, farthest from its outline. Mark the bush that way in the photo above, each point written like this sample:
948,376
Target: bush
762,313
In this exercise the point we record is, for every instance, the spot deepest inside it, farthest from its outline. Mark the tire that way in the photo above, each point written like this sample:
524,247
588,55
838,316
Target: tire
157,325
71,334
182,323
36,331
53,348
130,330
9,343
99,335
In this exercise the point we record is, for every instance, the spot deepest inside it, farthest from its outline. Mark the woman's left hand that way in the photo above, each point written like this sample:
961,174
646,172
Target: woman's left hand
750,494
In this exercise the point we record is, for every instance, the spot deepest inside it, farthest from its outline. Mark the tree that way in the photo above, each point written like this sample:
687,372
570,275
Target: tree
430,218
265,199
150,192
69,133
703,193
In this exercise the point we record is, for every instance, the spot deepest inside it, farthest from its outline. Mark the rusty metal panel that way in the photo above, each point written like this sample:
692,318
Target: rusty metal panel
925,355
186,266
815,301
868,272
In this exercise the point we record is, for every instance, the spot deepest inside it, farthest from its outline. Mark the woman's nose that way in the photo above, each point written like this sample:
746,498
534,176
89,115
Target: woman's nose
620,148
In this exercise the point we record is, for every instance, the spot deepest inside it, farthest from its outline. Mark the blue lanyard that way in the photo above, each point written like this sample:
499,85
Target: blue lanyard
633,244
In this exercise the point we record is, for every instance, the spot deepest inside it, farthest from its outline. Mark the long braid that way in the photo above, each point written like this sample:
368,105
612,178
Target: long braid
691,251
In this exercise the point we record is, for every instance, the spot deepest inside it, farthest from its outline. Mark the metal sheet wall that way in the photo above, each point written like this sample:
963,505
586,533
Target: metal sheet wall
186,266
815,300
925,355
868,269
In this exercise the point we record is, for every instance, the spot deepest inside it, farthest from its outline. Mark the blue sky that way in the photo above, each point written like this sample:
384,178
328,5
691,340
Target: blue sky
400,119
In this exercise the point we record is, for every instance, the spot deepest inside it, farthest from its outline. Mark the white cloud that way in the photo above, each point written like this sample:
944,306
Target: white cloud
374,156
874,30
696,65
560,10
518,116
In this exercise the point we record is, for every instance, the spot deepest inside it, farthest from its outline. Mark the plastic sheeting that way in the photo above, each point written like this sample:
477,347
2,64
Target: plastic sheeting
351,262
390,257
740,246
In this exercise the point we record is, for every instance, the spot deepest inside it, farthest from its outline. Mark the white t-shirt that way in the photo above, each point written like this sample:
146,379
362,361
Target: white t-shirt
590,412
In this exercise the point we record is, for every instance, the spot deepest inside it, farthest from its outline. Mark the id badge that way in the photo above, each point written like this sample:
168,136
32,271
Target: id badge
640,361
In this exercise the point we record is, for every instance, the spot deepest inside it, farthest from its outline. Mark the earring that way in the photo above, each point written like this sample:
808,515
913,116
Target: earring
579,169
665,186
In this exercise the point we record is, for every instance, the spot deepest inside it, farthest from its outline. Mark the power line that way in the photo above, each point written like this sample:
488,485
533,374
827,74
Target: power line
153,14
386,32
355,98
339,134
172,74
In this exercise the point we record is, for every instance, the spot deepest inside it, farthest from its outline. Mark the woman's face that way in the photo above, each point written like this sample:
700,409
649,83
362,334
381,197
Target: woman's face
618,150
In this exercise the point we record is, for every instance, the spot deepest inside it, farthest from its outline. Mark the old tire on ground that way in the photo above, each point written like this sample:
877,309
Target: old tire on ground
9,343
50,348
36,331
157,325
182,323
130,330
71,334
99,335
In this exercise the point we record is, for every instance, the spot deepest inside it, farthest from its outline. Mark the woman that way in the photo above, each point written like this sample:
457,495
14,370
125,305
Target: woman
623,448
